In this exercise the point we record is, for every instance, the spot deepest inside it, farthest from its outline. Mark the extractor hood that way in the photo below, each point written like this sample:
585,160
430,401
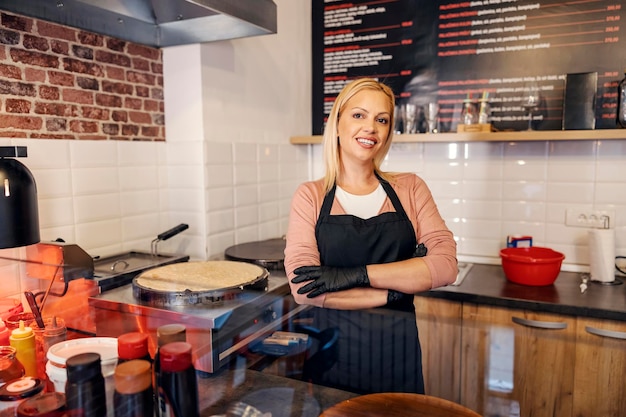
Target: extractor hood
156,23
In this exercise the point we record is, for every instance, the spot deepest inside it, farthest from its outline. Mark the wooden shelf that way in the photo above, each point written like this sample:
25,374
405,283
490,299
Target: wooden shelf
535,135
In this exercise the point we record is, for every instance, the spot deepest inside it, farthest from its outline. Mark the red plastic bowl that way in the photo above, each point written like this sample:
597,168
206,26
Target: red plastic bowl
534,266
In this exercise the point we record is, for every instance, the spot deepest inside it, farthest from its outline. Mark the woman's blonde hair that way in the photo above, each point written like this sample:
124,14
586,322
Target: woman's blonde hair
330,139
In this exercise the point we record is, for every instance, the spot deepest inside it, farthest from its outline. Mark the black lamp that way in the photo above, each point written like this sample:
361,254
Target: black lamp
19,216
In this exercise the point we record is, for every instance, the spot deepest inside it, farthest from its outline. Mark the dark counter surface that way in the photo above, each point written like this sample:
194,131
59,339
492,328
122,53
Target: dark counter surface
486,284
283,397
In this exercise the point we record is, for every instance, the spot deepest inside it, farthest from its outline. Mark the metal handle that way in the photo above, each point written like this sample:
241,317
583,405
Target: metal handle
554,325
606,333
173,231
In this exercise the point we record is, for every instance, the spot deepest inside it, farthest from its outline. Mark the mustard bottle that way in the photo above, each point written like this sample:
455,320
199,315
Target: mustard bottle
23,340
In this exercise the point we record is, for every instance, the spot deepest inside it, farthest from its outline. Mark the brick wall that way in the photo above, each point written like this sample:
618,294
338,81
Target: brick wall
58,82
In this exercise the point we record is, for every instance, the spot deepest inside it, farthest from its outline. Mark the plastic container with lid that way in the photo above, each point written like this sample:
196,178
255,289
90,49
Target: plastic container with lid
178,385
85,389
134,394
23,340
58,354
131,346
14,392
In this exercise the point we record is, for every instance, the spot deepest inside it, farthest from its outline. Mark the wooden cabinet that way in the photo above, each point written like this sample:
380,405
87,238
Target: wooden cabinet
439,327
503,362
600,368
517,362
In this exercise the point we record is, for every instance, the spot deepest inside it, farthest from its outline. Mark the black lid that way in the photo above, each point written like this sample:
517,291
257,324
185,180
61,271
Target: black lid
83,367
21,388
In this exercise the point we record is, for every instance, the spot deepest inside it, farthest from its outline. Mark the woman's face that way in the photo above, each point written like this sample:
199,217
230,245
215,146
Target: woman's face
364,125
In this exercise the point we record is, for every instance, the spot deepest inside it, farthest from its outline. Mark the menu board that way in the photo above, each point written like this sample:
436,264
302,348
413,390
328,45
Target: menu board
453,51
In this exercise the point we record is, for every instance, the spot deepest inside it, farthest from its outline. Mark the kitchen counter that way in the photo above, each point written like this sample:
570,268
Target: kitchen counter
486,284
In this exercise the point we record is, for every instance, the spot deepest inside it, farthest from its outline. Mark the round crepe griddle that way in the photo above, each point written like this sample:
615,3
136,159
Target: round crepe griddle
268,253
217,293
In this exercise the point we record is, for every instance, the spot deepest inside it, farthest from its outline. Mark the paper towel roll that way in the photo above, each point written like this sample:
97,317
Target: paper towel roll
602,255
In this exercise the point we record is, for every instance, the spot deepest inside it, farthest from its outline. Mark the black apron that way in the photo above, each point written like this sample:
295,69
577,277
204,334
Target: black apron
378,349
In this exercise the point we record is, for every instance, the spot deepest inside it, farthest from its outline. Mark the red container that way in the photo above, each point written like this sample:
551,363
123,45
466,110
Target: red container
535,266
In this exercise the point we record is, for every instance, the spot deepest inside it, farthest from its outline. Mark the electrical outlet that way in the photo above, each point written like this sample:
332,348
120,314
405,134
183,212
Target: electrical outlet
599,219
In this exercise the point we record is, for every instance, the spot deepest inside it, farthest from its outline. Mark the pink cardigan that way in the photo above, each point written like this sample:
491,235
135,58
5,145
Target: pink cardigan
419,205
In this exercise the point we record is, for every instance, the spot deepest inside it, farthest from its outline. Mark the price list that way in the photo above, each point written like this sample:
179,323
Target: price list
451,51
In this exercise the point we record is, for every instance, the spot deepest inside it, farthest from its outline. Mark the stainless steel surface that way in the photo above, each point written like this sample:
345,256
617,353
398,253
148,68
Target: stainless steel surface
215,331
157,23
159,298
118,270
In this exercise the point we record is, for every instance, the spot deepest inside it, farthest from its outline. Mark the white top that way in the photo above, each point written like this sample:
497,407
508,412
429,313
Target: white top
363,206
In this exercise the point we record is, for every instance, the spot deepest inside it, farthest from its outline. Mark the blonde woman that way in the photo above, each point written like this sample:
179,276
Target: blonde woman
361,242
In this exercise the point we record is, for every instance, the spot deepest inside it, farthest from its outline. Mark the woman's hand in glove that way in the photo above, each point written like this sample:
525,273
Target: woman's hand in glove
329,279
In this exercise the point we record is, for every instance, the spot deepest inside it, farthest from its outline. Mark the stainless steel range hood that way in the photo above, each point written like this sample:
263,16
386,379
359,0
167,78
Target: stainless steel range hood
156,23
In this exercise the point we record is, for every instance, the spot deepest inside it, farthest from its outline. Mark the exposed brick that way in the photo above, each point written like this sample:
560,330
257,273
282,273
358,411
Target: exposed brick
156,67
88,83
34,58
3,52
90,38
83,126
82,52
17,89
35,42
119,116
151,105
159,80
144,51
17,106
115,44
150,131
51,30
157,93
10,71
132,103
162,106
115,73
141,64
12,21
140,117
56,109
108,100
51,136
77,96
8,37
98,113
141,91
61,78
34,75
92,137
21,122
56,125
12,134
110,129
159,119
74,65
60,47
140,77
49,93
117,88
129,130
111,58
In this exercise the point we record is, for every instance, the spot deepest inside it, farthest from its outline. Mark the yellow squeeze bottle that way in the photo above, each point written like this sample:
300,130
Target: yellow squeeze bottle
23,340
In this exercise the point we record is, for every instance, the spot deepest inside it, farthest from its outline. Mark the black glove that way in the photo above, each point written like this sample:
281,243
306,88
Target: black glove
329,279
